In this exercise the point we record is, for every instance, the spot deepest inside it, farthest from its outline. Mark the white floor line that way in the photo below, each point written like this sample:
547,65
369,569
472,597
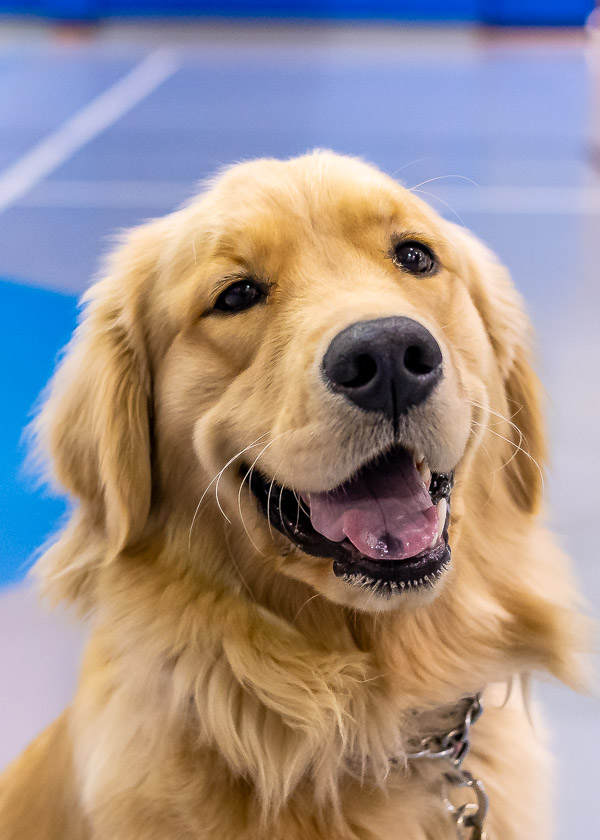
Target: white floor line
526,200
108,195
161,195
19,178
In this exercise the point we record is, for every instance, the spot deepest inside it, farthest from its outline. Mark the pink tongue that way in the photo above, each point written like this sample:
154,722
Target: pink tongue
386,511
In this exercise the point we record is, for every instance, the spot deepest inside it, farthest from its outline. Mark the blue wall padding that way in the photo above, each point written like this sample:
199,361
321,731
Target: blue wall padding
540,12
35,325
505,12
336,9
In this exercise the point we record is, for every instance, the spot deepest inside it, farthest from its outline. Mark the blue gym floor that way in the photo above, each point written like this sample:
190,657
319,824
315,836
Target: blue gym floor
101,129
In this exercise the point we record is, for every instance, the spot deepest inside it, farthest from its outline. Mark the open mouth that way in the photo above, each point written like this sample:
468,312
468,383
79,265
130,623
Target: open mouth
386,528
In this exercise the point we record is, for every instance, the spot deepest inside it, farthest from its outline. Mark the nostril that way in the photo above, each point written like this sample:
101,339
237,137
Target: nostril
415,361
364,371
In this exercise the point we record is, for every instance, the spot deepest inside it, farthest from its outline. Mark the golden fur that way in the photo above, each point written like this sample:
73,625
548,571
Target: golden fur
233,688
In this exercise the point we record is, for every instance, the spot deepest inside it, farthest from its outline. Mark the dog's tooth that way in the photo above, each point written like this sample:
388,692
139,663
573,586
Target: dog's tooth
402,584
424,472
442,509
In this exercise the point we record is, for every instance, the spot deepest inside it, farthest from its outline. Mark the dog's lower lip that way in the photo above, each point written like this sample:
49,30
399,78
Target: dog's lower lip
423,569
285,512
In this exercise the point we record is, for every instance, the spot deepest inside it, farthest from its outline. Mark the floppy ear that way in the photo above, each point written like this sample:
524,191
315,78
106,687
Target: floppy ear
503,314
95,423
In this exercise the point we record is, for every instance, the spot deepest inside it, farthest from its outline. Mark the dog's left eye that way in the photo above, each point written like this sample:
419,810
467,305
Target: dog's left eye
239,296
415,257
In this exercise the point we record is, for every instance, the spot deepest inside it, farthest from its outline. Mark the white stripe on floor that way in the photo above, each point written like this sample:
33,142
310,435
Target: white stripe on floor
19,178
108,194
568,201
557,201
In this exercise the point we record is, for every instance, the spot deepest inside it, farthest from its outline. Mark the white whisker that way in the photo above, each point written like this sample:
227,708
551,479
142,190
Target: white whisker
410,163
269,505
216,478
445,203
506,420
217,500
518,448
269,498
236,567
496,413
301,506
308,600
249,473
443,178
247,476
280,510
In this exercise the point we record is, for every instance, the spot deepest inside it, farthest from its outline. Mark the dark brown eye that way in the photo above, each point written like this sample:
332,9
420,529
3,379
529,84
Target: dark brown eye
239,296
415,258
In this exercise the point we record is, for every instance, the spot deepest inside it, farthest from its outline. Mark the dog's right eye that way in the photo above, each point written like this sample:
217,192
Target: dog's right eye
239,296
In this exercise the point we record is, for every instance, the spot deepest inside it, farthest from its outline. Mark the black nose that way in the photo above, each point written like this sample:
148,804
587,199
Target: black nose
384,365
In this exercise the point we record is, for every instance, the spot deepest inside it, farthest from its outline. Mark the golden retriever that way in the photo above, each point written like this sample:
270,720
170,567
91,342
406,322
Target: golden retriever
274,398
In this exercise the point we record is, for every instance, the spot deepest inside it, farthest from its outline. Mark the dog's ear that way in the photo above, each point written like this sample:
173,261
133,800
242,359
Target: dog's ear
503,314
95,424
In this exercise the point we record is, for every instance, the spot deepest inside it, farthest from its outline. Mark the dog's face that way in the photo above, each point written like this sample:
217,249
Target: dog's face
321,353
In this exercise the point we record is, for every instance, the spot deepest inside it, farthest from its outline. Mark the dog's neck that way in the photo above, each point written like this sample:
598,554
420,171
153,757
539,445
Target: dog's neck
437,729
438,733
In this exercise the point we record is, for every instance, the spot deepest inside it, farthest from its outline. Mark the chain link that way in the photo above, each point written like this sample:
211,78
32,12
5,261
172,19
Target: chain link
452,747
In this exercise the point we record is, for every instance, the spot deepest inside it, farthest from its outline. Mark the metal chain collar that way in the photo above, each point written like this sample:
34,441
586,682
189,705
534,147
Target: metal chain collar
452,747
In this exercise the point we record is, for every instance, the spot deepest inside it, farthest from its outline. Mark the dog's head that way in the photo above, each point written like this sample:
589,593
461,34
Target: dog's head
313,350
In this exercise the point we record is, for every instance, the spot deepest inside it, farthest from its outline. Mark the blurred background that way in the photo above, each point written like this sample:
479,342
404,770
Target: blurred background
112,110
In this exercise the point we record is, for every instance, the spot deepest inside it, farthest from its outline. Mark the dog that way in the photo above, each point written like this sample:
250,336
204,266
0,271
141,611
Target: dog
304,441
